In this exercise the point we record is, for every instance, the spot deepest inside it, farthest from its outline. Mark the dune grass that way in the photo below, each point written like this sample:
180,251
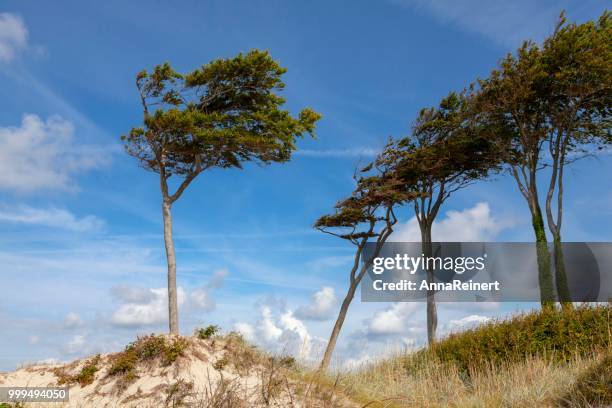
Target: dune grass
547,358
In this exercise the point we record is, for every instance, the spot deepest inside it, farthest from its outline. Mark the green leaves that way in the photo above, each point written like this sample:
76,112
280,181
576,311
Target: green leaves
222,114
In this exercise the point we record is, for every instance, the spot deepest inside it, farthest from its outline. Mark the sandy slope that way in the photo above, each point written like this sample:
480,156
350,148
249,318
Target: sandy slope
222,372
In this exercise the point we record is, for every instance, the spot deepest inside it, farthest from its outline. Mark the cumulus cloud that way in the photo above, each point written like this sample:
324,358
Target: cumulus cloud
282,332
392,320
321,307
470,225
40,155
202,297
466,322
13,36
143,306
50,217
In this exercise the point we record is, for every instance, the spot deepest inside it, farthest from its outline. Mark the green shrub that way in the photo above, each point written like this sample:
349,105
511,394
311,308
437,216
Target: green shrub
146,348
207,332
558,334
83,377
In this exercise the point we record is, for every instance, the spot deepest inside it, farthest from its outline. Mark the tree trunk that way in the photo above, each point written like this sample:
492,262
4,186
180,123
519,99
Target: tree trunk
547,295
171,258
561,278
432,312
338,326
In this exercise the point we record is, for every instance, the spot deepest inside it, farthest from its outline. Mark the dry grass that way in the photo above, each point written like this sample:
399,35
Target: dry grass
536,381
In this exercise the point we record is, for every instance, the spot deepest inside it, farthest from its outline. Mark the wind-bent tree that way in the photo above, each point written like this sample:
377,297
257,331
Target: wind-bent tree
367,215
555,102
220,115
578,90
447,151
511,98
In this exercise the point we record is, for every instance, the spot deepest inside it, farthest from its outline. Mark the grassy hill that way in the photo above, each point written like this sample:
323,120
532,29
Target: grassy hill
547,358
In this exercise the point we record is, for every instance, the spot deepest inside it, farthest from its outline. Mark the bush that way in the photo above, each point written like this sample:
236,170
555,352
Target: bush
592,388
147,348
557,334
207,332
83,377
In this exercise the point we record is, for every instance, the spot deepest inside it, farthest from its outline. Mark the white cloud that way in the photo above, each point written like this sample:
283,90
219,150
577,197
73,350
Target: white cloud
466,322
143,307
13,36
50,217
202,297
40,155
72,320
392,320
33,340
322,307
506,23
470,225
282,333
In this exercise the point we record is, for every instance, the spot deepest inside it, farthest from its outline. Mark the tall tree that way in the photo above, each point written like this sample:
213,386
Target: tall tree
220,115
555,102
578,91
510,98
447,151
367,215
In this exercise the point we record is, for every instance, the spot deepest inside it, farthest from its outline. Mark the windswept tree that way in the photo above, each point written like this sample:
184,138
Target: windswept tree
578,91
367,215
221,115
554,102
511,98
448,150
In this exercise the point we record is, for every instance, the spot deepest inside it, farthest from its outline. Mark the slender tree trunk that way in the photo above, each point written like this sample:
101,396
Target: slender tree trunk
432,312
547,295
331,344
557,151
561,278
171,258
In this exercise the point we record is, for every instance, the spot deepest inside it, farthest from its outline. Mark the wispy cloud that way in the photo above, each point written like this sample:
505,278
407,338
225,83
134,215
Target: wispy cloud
339,153
50,217
507,23
13,36
41,155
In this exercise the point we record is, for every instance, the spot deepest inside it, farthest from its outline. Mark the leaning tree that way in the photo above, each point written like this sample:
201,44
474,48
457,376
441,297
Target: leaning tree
578,91
554,102
449,148
366,216
221,115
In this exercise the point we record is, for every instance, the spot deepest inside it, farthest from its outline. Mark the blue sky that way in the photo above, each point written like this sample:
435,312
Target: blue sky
81,250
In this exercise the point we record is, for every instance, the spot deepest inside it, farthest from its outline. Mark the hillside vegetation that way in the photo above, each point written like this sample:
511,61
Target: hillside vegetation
546,358
552,358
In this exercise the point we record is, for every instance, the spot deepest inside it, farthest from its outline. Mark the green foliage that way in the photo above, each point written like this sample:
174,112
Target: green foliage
84,377
207,332
147,348
557,334
220,115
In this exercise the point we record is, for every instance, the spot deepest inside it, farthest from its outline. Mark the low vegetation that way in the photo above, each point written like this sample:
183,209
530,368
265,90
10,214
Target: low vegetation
207,332
84,377
547,358
146,349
